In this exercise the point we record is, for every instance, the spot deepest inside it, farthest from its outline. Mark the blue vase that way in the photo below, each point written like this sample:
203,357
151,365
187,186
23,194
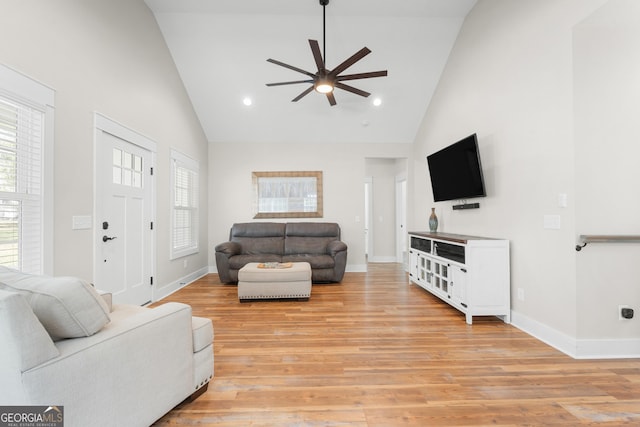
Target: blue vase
433,220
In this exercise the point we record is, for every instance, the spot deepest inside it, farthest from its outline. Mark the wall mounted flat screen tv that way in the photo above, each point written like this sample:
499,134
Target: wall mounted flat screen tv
456,172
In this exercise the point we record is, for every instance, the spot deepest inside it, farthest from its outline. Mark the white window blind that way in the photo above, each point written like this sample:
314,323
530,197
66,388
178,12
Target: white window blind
21,202
184,188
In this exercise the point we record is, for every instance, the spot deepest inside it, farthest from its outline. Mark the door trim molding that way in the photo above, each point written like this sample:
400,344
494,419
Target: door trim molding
109,125
103,123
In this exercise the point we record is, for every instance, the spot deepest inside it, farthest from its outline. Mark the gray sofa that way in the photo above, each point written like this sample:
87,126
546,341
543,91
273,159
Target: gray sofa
317,243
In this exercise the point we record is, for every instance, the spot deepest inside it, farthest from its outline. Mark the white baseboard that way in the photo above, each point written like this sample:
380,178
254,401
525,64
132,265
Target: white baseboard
577,348
556,339
383,259
608,349
172,287
356,268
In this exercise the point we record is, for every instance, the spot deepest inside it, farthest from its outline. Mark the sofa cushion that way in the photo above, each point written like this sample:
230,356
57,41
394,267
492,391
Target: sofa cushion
307,245
261,245
257,229
313,229
259,237
202,329
238,261
24,339
67,307
316,261
310,237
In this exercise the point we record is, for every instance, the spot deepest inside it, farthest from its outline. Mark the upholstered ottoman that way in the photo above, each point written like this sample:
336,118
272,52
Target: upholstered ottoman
274,283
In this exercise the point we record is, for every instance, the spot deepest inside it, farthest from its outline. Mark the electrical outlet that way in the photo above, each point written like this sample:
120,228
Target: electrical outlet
625,312
185,263
520,294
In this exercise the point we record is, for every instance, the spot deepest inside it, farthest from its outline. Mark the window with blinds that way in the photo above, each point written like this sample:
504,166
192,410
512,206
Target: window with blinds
21,139
184,221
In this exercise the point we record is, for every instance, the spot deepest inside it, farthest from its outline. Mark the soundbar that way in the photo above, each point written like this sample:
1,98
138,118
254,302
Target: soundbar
466,206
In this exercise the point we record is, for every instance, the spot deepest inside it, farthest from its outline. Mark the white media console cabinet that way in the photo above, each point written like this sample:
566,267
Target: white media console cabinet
468,272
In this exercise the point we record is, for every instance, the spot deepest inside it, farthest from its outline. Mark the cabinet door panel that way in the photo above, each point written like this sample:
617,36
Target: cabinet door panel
459,291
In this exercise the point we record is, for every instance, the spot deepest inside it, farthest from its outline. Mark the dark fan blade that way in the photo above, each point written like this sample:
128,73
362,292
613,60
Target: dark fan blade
331,98
315,49
289,83
291,67
352,89
350,61
362,75
299,97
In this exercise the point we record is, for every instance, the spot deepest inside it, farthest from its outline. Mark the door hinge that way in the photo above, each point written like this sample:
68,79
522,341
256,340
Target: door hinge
152,225
151,281
151,170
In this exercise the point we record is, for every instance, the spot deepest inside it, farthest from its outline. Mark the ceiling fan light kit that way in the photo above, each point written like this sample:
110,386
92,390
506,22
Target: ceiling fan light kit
323,85
325,80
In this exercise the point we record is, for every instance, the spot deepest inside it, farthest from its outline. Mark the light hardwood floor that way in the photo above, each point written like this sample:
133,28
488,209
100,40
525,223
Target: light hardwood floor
376,351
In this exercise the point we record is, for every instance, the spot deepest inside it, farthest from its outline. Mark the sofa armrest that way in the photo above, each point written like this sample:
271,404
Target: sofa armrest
229,248
336,246
224,251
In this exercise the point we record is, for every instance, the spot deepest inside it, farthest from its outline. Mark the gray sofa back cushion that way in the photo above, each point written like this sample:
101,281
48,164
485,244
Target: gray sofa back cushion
310,237
259,237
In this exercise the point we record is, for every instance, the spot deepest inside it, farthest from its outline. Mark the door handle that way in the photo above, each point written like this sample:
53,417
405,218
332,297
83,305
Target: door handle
107,238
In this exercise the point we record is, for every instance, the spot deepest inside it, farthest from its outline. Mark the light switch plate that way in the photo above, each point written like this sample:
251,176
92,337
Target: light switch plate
562,200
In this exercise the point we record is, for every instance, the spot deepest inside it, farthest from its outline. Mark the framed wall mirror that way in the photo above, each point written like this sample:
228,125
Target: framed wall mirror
287,194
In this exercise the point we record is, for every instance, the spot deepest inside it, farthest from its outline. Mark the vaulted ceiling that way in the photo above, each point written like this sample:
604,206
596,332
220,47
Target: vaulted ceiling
221,48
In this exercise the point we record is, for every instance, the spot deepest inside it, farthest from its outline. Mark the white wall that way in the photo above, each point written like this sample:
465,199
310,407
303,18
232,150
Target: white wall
107,57
607,135
550,86
343,167
510,78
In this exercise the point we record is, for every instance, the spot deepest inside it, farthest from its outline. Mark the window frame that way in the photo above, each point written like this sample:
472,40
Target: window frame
18,88
179,160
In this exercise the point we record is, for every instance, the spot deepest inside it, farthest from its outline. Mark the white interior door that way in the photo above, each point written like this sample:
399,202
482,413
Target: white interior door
401,220
123,231
368,210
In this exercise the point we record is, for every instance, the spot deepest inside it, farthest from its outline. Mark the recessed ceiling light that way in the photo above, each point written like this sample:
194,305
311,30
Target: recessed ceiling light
247,101
377,102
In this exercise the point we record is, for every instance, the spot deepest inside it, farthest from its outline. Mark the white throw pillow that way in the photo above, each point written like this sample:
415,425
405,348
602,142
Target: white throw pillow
67,307
25,342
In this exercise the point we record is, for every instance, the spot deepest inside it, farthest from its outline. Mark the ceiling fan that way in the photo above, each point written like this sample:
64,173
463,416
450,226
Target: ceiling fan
325,80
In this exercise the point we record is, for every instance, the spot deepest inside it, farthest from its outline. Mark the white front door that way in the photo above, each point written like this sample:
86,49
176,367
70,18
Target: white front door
123,226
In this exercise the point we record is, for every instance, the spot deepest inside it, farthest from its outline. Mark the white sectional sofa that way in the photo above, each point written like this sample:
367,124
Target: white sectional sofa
63,344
